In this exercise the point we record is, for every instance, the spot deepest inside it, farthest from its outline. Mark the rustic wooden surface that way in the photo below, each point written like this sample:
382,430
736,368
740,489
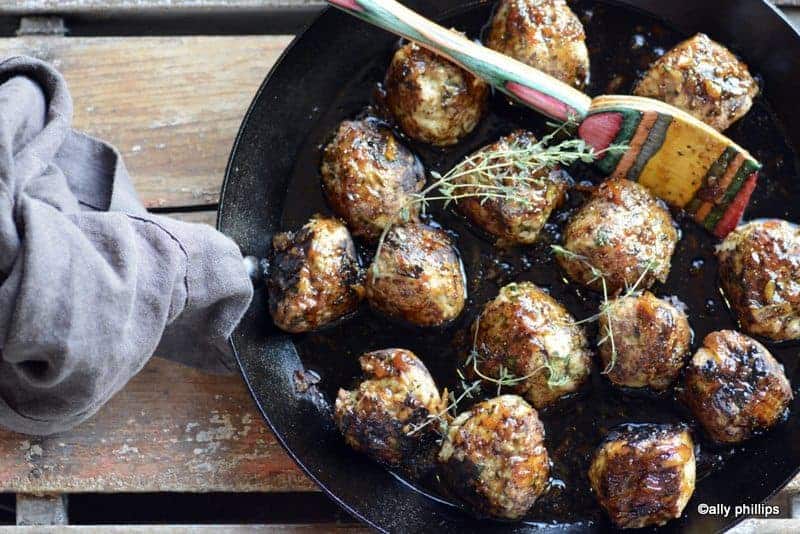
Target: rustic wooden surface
168,103
92,6
170,429
26,7
171,105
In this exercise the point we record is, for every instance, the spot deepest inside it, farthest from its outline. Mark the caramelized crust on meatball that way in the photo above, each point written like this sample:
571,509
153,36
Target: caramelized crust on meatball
433,100
651,338
513,221
368,176
623,233
703,78
759,265
545,34
527,332
417,276
384,416
494,457
644,475
735,388
315,277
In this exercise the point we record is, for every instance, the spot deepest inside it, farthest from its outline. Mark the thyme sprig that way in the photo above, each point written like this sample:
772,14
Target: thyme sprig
468,390
503,174
505,377
607,306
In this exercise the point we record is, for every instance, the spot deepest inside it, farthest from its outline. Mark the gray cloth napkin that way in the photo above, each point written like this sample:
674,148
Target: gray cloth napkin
91,285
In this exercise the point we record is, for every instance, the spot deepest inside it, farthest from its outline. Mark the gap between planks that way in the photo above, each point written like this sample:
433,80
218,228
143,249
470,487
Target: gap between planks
171,105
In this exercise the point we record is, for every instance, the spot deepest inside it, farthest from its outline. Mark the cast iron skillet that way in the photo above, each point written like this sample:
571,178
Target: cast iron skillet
329,74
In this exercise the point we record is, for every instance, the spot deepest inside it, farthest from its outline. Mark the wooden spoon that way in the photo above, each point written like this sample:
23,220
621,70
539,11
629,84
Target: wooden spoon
679,158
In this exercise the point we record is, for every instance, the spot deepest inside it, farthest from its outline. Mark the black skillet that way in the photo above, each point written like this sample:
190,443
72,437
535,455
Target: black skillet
330,73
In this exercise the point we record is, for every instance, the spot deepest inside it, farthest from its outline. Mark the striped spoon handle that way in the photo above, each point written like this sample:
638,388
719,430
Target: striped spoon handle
528,85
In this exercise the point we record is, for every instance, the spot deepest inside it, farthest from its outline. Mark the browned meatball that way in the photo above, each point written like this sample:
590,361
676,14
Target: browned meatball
494,457
735,388
703,78
644,474
368,177
545,34
433,100
386,417
623,233
512,221
648,341
315,277
417,276
527,332
759,265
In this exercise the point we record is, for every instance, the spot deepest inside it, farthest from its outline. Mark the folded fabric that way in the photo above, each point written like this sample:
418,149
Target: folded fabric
91,285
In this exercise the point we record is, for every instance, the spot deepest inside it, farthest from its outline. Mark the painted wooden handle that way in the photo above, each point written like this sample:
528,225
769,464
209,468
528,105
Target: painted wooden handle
526,84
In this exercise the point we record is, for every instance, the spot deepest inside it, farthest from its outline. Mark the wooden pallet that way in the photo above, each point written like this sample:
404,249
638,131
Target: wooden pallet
172,104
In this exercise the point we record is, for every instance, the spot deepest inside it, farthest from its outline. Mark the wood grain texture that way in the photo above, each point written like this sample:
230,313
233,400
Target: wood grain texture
23,7
171,429
172,105
202,217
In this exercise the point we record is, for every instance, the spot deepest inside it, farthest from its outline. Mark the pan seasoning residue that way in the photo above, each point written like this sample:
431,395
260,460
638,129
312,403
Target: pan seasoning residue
622,45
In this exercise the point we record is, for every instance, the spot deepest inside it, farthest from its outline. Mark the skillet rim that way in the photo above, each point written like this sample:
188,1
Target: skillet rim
629,4
228,168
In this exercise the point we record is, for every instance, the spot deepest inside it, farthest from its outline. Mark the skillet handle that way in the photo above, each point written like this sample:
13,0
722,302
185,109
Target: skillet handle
525,84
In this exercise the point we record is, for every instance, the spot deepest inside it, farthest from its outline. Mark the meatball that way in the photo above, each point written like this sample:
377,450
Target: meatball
433,100
544,34
735,388
386,417
368,177
417,276
651,339
644,474
703,78
759,265
315,277
528,333
493,457
621,233
512,221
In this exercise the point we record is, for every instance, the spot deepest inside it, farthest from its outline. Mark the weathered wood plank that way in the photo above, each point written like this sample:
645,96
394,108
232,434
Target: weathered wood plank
44,509
91,6
24,7
172,105
171,429
202,217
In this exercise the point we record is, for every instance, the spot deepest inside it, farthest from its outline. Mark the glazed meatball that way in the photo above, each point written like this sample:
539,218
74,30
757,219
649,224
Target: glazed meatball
433,100
386,417
759,265
651,339
703,78
623,233
493,457
315,277
735,388
527,332
512,221
368,177
644,474
417,276
544,34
